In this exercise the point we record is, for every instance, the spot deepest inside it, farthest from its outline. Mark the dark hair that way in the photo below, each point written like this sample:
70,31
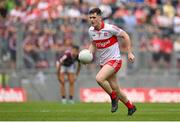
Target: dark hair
75,47
95,10
3,12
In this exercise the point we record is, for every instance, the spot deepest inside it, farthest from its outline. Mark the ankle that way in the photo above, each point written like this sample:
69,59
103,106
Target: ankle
113,95
70,97
129,104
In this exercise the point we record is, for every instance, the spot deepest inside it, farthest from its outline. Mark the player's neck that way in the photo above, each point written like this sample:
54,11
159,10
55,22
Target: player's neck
100,26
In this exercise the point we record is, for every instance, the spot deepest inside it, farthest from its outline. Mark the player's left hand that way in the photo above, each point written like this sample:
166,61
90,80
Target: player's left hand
131,57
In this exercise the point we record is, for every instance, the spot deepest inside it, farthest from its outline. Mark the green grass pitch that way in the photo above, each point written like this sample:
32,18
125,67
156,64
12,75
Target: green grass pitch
40,111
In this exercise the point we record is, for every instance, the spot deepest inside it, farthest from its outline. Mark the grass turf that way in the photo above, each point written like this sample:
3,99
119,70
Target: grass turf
40,111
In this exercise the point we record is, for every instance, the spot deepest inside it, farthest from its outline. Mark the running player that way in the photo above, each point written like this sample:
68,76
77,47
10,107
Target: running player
66,65
104,40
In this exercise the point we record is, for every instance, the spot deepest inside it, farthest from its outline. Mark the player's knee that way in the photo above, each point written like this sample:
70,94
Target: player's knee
99,79
62,82
71,81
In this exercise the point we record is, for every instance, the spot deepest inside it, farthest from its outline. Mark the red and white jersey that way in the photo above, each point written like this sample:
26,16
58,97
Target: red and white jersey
106,42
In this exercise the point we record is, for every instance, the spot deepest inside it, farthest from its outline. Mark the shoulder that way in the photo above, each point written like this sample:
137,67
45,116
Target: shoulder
91,28
107,25
67,52
112,27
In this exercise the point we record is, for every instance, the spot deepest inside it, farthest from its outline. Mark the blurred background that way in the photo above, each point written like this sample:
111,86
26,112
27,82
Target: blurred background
34,32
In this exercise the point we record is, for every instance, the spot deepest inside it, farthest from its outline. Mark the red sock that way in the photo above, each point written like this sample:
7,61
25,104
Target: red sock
113,95
129,105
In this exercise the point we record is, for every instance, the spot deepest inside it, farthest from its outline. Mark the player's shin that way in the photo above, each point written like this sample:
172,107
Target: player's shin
125,100
114,99
105,85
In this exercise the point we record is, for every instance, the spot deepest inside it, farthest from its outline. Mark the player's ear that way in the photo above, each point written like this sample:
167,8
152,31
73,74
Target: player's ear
101,19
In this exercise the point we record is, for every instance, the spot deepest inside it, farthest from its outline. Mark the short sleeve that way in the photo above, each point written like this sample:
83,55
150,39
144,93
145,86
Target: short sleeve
68,53
115,30
90,35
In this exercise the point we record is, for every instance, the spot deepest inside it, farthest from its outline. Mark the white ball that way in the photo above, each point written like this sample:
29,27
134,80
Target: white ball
85,56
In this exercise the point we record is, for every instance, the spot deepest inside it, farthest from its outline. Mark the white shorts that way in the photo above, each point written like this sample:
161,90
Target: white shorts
70,69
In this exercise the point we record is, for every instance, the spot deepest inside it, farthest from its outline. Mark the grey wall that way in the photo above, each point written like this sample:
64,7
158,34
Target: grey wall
44,86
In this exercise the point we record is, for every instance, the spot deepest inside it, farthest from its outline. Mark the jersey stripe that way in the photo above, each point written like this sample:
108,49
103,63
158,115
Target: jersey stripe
100,44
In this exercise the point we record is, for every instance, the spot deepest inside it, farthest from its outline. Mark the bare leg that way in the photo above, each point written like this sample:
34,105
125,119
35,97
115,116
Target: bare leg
102,77
115,86
62,84
113,82
71,78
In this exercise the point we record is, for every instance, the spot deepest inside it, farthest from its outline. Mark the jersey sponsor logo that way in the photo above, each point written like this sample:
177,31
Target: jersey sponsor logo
106,42
102,44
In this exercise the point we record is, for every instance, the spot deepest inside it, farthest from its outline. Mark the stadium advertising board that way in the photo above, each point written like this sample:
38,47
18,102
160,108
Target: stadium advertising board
12,95
152,95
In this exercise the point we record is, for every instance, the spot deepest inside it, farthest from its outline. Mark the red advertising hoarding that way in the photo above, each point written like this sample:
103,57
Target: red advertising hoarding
12,95
152,95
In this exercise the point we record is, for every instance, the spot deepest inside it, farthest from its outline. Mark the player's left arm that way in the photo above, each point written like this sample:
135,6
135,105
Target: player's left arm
128,43
78,68
121,33
58,68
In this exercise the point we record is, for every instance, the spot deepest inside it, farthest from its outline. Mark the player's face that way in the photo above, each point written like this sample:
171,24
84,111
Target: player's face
95,20
75,52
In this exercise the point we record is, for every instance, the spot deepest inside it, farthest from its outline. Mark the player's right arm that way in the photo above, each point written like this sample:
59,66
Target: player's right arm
92,48
59,63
